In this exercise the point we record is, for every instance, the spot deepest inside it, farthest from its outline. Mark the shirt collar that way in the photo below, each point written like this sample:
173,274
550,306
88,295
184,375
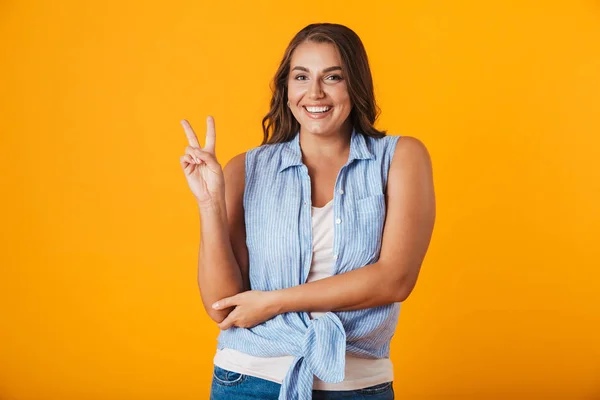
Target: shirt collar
291,154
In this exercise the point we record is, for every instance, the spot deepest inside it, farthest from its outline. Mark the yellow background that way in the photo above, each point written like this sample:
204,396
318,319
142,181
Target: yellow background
100,233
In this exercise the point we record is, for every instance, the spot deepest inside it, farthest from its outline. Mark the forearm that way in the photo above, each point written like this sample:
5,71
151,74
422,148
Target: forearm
219,275
366,287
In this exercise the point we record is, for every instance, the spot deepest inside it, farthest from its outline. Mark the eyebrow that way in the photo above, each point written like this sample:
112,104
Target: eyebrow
329,69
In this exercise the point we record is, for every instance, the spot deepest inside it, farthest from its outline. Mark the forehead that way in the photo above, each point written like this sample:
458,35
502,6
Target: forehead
315,56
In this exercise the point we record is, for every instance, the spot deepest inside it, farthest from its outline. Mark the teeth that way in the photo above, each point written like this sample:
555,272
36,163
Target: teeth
317,109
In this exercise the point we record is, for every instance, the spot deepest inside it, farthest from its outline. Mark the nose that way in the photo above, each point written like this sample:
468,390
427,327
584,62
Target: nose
315,91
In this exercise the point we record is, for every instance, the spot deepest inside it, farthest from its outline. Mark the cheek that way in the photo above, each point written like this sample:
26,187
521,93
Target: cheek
341,96
294,96
344,102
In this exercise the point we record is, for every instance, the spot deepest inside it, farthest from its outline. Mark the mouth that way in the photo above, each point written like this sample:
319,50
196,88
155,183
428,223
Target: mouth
317,112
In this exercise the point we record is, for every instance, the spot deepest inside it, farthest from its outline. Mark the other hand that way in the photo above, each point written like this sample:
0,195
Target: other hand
252,307
200,166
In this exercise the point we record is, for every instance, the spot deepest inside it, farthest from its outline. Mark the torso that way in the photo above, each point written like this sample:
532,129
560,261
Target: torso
322,180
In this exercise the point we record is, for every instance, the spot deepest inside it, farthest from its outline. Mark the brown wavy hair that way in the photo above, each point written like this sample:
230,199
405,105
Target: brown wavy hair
280,125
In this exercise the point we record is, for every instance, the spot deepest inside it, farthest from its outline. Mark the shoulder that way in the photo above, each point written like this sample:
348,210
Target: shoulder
410,189
267,150
410,151
264,153
381,147
234,173
235,169
236,165
402,150
410,167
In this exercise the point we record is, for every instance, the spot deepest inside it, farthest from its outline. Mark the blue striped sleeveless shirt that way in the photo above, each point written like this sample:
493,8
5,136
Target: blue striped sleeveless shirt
277,207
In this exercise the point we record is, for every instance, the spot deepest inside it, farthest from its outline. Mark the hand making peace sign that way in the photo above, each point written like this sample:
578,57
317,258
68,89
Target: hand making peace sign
202,170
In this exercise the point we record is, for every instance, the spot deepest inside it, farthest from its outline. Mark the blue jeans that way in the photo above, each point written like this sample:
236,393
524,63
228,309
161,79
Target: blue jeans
228,385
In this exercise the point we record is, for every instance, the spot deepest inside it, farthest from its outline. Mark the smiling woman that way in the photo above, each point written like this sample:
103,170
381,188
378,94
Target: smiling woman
323,64
318,99
312,240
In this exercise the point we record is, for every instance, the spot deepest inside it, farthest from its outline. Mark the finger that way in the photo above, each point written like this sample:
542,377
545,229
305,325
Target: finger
224,303
187,159
211,135
227,322
208,158
187,163
192,152
184,161
189,132
219,304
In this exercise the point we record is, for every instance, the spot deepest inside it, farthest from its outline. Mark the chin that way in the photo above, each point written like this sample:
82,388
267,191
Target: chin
318,132
317,129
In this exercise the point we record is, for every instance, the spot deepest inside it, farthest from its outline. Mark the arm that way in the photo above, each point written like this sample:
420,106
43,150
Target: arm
223,256
407,233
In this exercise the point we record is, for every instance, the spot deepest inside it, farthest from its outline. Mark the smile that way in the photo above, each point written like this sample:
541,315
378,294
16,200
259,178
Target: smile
317,112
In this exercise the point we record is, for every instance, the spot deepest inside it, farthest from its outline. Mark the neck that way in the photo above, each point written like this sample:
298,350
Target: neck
327,146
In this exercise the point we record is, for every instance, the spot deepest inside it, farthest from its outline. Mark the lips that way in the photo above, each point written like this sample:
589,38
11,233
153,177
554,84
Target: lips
317,112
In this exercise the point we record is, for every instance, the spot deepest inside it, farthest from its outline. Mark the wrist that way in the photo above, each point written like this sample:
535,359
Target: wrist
211,208
277,302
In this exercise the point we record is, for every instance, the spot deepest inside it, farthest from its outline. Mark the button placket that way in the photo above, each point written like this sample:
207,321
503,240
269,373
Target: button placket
306,222
338,210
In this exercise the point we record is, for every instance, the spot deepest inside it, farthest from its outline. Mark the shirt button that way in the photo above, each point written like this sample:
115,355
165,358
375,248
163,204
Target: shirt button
335,256
341,191
338,221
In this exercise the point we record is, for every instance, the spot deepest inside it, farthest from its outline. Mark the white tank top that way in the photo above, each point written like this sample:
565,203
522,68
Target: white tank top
359,372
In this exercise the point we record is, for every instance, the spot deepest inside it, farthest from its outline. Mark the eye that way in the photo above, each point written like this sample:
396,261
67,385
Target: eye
334,77
300,76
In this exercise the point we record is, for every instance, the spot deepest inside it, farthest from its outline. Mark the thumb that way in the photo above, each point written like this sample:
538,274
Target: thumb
227,322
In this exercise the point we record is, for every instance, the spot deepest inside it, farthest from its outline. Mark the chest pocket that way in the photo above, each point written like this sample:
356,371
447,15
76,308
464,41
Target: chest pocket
370,219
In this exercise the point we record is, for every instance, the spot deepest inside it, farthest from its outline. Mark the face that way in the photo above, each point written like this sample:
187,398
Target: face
317,91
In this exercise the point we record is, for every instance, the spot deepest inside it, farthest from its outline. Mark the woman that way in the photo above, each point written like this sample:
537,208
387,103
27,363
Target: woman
311,241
